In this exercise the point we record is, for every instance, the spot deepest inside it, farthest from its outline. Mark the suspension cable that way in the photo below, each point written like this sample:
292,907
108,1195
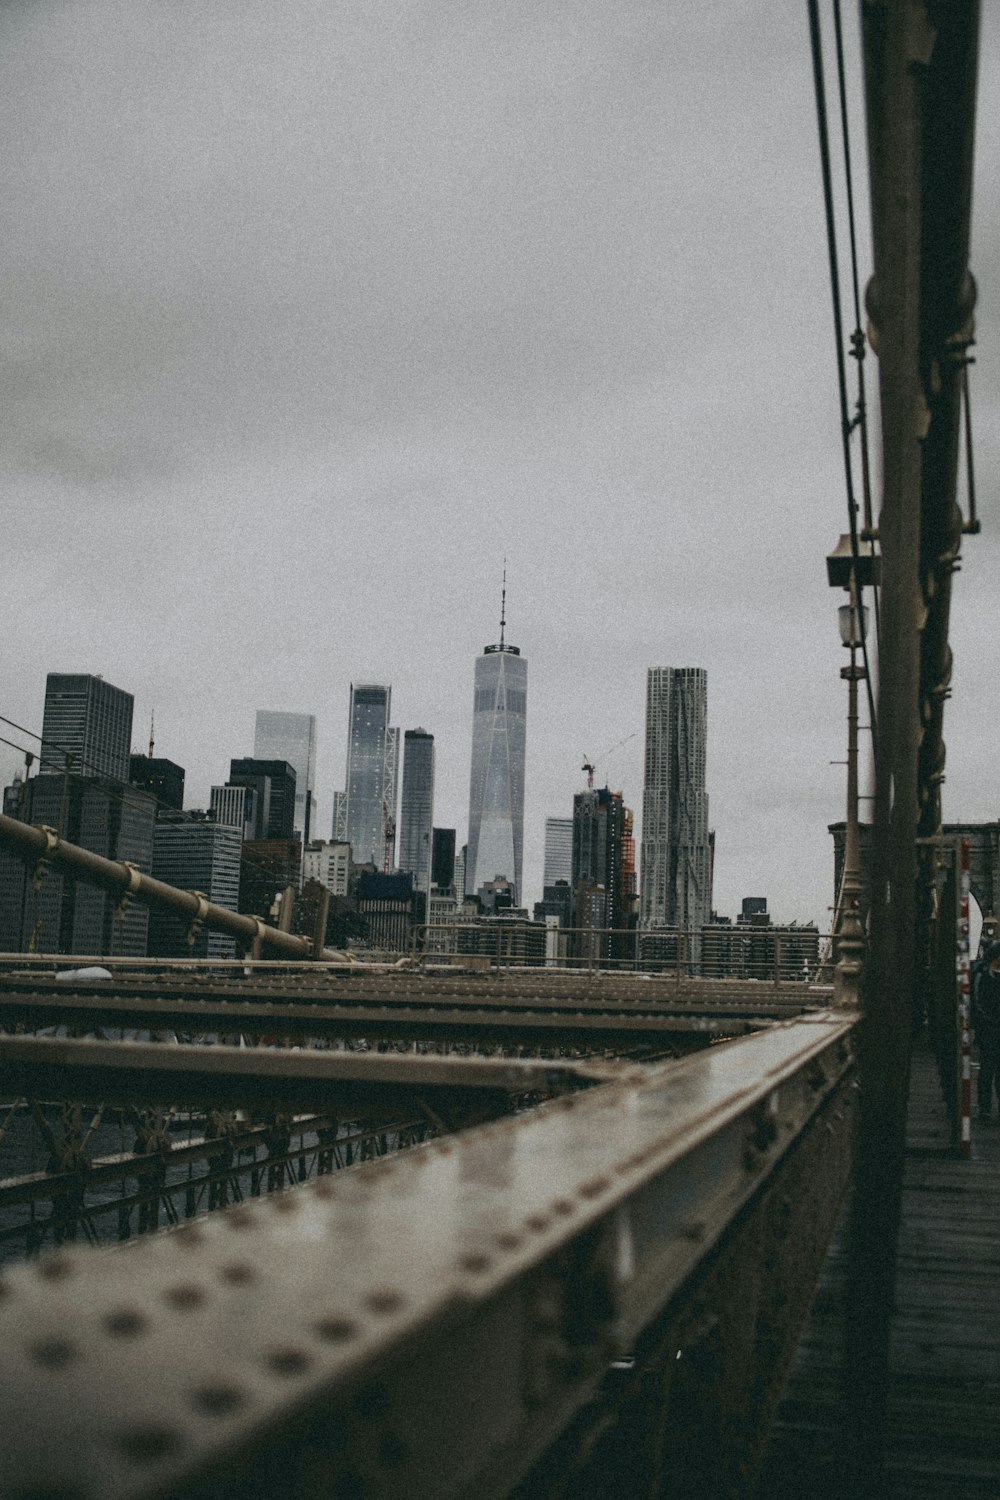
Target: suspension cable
831,242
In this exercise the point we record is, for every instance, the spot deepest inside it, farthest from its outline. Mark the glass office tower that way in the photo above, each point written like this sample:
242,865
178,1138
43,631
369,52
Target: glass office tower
90,720
416,810
370,795
496,786
291,737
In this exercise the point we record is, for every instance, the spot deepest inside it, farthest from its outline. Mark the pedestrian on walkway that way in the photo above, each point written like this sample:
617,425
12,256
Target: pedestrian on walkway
986,1020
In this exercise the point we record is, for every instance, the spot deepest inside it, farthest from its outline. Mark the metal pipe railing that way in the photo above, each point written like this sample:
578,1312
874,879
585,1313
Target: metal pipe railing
27,840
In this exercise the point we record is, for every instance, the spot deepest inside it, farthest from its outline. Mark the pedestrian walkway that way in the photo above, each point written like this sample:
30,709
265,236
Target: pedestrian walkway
944,1400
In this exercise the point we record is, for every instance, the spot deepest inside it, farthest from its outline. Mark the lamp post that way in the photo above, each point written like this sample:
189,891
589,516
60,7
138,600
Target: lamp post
845,572
850,933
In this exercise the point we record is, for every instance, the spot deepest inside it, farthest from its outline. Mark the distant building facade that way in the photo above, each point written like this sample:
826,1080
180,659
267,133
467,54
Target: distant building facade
329,864
291,738
369,798
242,807
275,782
496,783
385,903
558,851
675,856
164,779
194,853
90,720
267,866
68,915
416,808
443,859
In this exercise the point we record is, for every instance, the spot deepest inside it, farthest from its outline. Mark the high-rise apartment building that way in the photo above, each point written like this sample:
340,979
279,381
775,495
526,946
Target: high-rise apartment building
292,738
369,799
558,850
675,881
602,863
90,720
496,785
416,809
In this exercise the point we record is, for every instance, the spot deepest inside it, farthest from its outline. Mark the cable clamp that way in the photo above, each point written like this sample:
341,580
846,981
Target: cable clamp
198,920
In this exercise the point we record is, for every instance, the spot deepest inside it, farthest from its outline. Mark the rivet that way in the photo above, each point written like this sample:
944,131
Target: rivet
239,1218
124,1323
238,1273
594,1187
561,1206
284,1203
55,1267
537,1222
218,1400
146,1444
288,1361
384,1301
189,1238
323,1189
336,1330
475,1262
185,1296
53,1353
508,1241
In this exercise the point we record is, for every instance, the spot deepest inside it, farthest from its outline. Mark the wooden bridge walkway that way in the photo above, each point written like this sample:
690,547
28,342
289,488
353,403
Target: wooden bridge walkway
944,1403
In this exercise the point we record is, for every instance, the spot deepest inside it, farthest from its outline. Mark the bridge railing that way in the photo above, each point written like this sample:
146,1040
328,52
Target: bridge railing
719,952
513,1301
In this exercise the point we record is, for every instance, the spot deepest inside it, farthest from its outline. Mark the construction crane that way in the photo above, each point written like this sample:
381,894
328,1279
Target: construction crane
590,767
389,833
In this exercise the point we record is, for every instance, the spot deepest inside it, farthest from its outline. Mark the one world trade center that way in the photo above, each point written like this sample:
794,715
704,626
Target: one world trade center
496,786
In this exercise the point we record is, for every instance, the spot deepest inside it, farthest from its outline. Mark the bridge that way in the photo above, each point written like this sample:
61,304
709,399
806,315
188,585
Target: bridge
490,1233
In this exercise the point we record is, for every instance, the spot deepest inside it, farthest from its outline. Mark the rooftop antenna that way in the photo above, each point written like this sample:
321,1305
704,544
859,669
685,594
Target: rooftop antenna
152,726
503,603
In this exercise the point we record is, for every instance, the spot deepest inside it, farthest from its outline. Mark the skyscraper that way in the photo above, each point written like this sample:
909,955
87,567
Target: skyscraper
602,866
443,858
370,794
558,850
416,810
275,783
89,719
196,854
164,778
675,878
496,785
291,737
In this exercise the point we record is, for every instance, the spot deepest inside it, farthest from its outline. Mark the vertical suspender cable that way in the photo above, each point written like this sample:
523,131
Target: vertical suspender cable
838,326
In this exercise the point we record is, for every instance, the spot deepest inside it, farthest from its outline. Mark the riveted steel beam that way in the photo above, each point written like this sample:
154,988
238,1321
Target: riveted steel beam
425,1326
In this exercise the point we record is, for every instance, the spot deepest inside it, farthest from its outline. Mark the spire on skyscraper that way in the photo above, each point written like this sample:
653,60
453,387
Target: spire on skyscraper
503,603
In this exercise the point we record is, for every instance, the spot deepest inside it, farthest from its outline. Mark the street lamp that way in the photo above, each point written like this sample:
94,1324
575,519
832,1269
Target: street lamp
846,571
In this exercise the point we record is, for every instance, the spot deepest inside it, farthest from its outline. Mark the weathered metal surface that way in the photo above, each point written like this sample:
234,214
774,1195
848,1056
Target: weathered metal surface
357,1084
427,1326
369,984
392,1020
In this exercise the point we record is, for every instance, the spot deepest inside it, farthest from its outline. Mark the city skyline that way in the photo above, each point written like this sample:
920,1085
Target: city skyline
435,314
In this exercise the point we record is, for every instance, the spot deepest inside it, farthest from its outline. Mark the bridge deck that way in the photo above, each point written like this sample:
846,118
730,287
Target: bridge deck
944,1438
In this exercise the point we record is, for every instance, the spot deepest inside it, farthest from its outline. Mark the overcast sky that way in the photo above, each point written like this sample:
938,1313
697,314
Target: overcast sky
314,311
